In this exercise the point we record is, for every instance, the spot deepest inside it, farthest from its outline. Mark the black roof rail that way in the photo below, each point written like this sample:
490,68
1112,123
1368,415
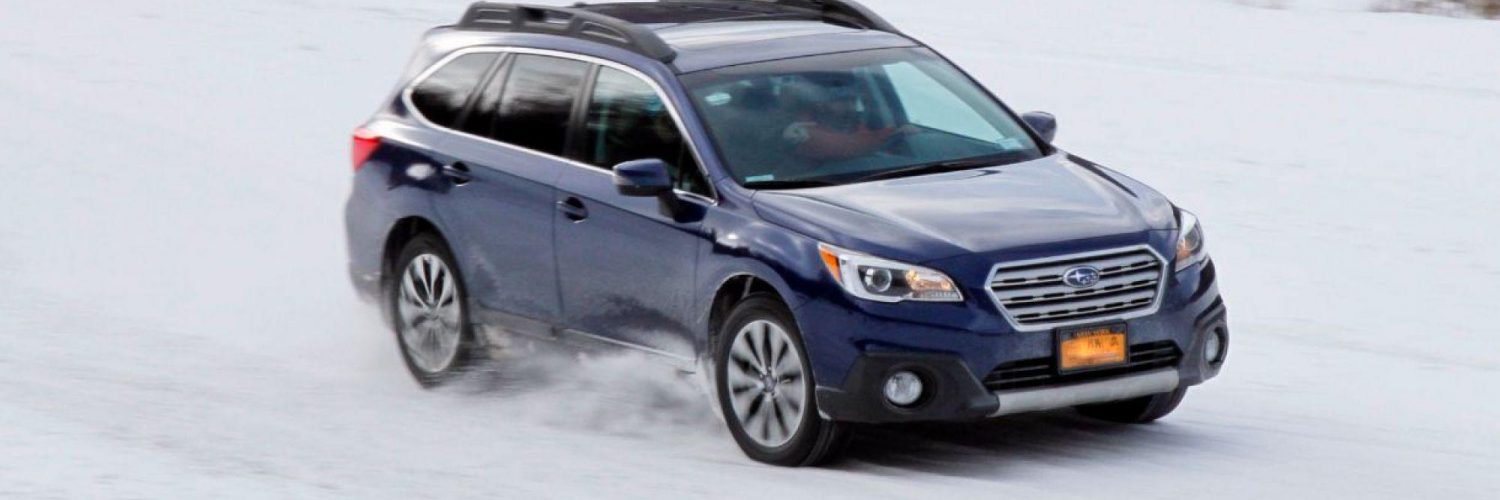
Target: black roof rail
563,21
847,12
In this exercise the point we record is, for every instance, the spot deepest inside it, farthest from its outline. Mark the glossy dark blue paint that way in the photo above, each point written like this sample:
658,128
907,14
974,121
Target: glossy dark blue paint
643,178
1044,124
549,245
499,224
625,269
1050,201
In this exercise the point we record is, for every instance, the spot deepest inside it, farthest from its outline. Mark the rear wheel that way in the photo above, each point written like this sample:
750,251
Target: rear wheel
765,388
1136,411
428,314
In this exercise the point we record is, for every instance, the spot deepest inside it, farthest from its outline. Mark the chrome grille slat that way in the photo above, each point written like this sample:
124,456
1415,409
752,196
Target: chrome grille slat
1032,294
1105,263
1114,291
1106,302
1108,284
1056,279
1040,318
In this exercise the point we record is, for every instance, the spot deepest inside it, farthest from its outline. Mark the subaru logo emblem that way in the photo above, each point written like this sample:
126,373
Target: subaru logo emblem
1081,276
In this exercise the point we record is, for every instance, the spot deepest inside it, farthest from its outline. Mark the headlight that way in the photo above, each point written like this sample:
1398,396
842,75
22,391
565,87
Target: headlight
1189,240
881,280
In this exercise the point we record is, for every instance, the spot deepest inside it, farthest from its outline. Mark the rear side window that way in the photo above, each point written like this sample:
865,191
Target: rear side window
537,102
627,120
442,96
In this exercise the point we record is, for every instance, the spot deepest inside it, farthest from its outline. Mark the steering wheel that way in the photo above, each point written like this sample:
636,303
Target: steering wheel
897,139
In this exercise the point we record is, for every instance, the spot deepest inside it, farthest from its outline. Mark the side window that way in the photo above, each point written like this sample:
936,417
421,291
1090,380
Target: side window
627,120
930,104
442,96
537,102
481,118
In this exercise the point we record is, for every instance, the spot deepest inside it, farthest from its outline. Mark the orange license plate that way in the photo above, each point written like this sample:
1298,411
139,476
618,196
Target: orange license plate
1091,347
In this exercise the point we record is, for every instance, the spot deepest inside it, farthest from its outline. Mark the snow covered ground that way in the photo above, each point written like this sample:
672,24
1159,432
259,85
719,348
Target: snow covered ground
175,321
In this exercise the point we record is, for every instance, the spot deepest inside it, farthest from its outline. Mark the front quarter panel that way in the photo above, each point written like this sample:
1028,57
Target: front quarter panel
740,244
1153,206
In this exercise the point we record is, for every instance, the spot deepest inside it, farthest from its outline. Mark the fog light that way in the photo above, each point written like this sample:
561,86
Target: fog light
1213,346
903,389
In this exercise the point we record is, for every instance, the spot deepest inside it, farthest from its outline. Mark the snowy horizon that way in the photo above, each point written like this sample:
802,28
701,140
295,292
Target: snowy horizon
177,320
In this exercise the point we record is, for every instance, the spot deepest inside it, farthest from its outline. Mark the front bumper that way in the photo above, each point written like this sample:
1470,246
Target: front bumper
953,394
964,371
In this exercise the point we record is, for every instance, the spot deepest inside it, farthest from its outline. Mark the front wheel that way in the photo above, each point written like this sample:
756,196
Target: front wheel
765,387
1136,411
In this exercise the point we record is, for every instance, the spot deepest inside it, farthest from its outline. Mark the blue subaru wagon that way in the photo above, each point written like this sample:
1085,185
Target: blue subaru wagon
825,216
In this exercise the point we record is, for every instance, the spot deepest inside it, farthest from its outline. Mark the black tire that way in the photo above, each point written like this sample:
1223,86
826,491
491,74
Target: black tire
815,440
1140,410
430,245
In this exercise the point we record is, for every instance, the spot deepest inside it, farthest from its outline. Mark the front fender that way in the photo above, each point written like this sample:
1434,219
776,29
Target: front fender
739,246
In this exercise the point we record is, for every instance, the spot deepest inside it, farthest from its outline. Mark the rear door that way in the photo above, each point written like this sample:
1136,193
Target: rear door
626,265
506,159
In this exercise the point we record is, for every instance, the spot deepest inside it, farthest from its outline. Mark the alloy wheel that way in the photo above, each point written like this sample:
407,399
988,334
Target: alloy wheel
766,383
428,314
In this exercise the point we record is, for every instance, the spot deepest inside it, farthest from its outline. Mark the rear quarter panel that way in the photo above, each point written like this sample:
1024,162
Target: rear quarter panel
394,184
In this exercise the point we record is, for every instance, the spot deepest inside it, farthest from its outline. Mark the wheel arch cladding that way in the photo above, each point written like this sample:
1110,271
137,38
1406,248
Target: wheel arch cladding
401,232
763,256
734,289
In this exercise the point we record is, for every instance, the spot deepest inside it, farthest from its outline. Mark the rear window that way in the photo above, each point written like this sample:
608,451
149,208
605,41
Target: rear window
537,102
442,96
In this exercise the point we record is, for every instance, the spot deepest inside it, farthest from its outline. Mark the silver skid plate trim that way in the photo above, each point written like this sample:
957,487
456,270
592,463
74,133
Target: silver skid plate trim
1115,389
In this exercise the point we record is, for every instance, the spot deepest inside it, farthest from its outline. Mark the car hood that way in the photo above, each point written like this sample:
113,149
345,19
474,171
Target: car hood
1052,200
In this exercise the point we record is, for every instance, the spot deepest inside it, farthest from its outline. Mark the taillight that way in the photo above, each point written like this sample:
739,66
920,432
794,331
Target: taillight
365,143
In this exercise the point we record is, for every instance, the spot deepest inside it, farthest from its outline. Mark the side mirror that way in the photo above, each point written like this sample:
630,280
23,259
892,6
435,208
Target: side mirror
644,178
1044,124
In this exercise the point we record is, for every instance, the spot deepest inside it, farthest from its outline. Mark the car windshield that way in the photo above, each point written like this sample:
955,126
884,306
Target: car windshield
849,117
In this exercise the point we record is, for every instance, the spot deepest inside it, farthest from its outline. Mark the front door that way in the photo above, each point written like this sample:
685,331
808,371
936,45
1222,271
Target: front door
626,265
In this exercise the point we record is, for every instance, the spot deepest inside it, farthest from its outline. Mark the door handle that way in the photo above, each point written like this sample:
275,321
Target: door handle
458,173
573,209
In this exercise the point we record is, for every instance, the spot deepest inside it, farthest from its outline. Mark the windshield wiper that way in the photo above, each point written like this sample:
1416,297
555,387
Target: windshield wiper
925,168
942,166
789,184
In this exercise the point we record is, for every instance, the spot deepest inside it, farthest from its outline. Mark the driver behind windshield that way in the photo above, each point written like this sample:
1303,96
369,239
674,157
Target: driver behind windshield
849,117
830,123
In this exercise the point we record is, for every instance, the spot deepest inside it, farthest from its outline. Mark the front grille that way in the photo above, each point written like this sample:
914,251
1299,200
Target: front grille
1032,294
1039,372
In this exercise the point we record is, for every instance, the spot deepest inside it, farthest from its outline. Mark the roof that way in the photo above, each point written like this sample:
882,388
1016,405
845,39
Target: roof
693,35
672,12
